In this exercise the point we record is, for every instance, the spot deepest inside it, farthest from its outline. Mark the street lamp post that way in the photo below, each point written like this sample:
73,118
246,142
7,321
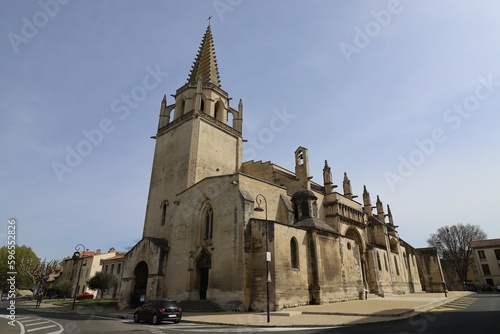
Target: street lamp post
76,255
259,200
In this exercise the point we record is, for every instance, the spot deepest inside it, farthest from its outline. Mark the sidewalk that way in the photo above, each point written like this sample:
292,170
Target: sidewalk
375,309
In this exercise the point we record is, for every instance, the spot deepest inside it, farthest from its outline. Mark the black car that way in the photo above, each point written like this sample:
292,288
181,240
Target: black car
156,311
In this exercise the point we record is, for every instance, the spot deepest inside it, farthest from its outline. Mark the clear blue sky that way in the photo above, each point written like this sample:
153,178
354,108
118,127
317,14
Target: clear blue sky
403,96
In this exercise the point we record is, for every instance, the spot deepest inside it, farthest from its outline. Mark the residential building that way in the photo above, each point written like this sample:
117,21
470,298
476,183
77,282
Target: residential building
220,229
113,265
88,265
54,277
487,260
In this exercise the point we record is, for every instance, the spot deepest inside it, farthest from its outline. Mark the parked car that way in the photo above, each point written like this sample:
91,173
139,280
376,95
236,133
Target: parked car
471,287
5,297
498,287
85,295
486,287
156,311
28,297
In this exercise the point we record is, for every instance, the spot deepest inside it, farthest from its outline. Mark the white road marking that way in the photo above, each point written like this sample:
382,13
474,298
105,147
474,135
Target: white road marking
24,322
36,323
40,328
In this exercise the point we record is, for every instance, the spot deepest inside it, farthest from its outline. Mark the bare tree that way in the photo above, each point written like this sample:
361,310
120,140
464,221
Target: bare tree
38,271
453,245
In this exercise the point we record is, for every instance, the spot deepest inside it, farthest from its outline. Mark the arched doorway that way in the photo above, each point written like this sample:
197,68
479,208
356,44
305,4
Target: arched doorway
203,264
140,284
352,233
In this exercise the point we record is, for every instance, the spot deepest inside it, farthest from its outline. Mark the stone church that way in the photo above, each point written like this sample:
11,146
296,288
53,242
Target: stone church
210,218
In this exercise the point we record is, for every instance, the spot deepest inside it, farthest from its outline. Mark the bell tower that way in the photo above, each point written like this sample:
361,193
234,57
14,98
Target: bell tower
198,136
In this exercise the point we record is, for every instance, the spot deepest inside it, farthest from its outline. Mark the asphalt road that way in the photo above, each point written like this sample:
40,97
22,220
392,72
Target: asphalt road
56,323
479,313
474,314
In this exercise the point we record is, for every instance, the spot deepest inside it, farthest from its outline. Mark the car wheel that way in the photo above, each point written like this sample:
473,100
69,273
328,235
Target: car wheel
136,317
176,321
155,320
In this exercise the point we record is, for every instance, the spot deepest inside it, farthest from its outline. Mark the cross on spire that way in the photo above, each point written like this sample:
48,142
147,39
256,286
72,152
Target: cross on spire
209,17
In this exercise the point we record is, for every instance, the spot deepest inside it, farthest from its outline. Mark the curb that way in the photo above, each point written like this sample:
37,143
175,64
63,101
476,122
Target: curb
389,317
427,307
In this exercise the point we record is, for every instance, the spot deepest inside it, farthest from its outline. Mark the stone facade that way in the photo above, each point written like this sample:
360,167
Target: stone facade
210,218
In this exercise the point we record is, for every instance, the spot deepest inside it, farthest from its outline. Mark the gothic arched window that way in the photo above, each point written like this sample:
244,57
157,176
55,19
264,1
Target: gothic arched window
209,223
396,264
182,108
219,111
164,207
294,253
378,262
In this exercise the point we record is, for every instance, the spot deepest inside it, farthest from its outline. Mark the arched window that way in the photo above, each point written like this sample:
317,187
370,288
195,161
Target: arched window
209,223
300,157
164,207
219,112
396,264
385,262
294,254
378,262
182,108
202,106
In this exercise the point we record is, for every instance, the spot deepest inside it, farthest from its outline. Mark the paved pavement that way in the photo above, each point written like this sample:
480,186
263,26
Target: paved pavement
375,309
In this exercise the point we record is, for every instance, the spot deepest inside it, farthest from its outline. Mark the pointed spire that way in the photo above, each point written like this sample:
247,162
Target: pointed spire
380,210
163,105
205,64
327,178
389,214
367,203
238,119
347,187
327,173
164,120
366,197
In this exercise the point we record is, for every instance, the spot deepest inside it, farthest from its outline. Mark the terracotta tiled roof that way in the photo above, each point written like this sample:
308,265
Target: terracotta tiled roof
485,243
116,257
